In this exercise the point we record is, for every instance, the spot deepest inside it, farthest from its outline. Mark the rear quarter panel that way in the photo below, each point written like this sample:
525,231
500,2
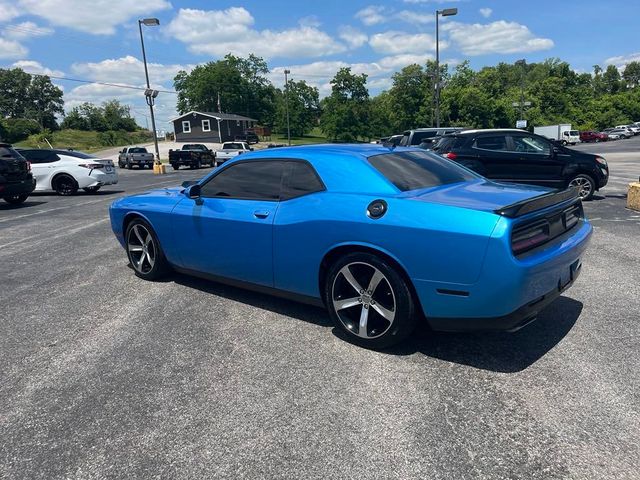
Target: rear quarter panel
430,241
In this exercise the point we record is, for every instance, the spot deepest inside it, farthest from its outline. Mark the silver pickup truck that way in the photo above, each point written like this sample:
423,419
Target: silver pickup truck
231,150
130,156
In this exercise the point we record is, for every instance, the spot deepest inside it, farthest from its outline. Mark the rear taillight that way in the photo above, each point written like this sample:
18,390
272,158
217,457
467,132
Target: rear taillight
451,156
91,165
529,236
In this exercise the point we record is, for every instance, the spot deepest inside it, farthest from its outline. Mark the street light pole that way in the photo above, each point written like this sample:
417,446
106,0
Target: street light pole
150,22
286,103
447,12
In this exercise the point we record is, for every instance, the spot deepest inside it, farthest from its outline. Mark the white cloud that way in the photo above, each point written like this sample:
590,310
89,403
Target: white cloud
497,37
377,14
395,42
398,62
12,49
310,21
431,1
372,15
31,66
25,30
127,70
218,32
8,11
414,17
352,36
486,12
100,17
621,61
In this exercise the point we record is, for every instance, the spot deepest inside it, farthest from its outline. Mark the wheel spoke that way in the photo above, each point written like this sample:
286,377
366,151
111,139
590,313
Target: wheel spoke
136,230
149,259
387,314
346,272
346,303
375,280
148,239
364,318
135,248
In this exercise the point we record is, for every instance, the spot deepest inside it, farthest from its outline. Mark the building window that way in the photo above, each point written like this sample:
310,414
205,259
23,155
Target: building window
206,125
186,126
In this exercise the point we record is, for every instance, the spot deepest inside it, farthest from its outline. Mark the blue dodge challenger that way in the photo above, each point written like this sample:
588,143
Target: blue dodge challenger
381,236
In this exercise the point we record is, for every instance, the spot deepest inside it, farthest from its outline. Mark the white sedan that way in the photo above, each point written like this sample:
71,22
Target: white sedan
67,171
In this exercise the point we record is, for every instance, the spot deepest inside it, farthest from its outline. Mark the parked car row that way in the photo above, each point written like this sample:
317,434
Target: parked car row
23,171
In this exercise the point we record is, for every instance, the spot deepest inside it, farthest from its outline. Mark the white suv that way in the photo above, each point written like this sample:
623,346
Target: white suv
66,171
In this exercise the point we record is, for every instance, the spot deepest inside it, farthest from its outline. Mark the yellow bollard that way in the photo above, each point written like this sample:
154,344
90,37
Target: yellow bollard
633,196
159,169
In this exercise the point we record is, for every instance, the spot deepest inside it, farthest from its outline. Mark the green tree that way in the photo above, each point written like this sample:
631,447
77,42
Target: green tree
240,84
631,74
345,113
303,102
611,79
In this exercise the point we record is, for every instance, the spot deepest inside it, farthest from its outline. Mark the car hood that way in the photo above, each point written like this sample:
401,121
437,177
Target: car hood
479,195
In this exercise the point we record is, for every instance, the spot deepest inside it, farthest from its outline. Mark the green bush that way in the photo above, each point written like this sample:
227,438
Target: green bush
17,129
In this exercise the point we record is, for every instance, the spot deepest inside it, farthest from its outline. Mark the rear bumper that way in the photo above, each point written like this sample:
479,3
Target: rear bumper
510,291
22,187
511,322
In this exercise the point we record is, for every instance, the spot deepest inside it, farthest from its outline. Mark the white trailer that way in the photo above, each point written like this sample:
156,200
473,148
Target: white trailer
562,133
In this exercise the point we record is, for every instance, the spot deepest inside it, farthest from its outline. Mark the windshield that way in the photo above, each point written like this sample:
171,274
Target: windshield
574,132
413,170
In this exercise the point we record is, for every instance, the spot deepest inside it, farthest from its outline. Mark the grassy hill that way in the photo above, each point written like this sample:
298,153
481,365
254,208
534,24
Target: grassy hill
85,141
315,136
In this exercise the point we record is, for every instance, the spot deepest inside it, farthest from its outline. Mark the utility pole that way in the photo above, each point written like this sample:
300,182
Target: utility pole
447,12
521,104
286,103
150,94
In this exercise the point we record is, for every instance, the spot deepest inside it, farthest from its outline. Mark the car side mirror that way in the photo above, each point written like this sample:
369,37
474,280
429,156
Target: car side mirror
188,183
194,191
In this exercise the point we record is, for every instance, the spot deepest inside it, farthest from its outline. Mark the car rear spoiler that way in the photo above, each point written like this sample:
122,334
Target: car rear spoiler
538,203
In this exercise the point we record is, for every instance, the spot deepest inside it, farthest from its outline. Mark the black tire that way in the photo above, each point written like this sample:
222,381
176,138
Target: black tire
65,185
175,166
16,199
128,165
149,263
389,297
564,143
120,165
586,185
198,164
91,189
597,140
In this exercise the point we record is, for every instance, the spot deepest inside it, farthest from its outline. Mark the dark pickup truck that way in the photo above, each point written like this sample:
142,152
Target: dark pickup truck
192,155
16,180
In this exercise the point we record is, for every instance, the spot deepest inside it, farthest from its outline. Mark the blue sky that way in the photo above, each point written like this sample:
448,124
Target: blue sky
98,40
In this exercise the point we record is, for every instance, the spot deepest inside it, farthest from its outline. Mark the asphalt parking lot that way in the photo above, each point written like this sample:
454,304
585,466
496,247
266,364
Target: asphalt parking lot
103,375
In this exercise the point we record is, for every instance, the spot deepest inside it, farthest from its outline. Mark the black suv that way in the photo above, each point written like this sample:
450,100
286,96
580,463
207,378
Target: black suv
16,180
517,156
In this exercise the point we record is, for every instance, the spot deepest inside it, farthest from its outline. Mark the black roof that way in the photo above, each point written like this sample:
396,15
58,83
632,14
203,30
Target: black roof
221,116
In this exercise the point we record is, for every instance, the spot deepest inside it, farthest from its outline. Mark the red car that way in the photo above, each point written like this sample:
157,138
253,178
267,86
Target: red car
591,136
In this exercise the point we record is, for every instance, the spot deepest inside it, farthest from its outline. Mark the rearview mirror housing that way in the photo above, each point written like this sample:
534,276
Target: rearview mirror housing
194,191
188,183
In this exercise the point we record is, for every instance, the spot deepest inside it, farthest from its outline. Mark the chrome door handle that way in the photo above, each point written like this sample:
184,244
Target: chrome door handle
261,213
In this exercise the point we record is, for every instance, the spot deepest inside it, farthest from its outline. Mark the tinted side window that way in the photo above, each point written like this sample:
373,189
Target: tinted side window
497,142
531,145
413,170
302,180
254,180
40,156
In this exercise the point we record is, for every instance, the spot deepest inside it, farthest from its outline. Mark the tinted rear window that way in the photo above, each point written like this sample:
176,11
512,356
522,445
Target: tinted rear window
413,170
73,153
138,150
8,152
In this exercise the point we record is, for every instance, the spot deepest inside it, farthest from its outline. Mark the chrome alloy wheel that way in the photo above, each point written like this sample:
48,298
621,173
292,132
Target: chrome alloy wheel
142,249
363,300
583,185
